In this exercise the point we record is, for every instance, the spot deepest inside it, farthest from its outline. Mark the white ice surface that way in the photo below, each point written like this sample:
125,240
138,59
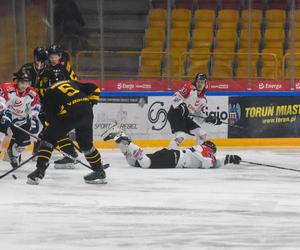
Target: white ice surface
238,207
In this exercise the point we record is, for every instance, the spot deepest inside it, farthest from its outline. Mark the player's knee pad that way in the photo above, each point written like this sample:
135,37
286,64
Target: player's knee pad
23,143
94,158
15,150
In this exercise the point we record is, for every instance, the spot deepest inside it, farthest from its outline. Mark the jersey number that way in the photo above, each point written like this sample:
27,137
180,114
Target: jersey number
68,89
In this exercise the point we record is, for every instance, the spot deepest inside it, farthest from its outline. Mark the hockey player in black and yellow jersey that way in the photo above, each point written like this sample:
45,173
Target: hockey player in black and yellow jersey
59,59
59,64
68,105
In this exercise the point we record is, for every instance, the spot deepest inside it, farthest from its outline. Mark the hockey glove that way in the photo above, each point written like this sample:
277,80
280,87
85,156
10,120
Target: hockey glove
35,125
6,121
234,159
184,110
213,120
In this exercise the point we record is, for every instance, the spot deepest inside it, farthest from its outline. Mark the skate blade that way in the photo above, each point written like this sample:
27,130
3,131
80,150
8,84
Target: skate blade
64,166
33,182
97,181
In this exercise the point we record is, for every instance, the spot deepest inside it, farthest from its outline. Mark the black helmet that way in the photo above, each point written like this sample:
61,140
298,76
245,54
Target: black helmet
200,77
56,75
23,76
211,145
54,49
40,54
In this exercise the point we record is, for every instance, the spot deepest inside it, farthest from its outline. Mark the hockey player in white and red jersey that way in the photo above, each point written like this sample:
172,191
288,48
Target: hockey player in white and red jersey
190,99
19,105
199,156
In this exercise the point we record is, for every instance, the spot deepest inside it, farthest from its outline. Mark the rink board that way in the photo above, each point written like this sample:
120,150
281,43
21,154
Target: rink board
268,119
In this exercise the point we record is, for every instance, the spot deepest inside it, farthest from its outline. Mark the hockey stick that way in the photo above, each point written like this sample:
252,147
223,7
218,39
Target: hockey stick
62,152
270,166
109,128
231,125
105,166
20,165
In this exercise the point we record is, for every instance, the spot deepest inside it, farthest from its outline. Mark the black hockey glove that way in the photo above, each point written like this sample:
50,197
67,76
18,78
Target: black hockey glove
234,159
184,110
5,121
213,120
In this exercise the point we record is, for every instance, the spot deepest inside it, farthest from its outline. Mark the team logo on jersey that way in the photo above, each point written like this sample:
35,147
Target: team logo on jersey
183,91
17,103
234,113
157,115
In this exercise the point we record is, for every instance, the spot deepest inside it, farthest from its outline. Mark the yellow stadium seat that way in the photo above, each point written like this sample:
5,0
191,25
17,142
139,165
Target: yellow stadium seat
275,18
246,65
181,18
274,38
221,70
157,14
276,51
204,18
244,60
270,68
227,19
155,37
149,72
157,18
152,53
256,18
246,72
177,62
296,34
200,53
150,63
225,38
179,38
244,38
295,70
223,54
197,66
158,24
202,38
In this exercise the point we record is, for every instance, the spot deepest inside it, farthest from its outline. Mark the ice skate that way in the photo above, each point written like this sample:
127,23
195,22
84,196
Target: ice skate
64,163
118,137
35,177
96,177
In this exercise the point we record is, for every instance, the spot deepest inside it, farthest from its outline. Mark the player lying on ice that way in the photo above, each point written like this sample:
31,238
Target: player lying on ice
199,156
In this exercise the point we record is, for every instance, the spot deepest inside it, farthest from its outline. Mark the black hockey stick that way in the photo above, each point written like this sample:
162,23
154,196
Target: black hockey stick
231,125
270,166
62,152
20,165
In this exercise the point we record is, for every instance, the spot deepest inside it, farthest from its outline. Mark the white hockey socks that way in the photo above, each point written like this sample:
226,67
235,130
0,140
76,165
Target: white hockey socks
175,142
139,155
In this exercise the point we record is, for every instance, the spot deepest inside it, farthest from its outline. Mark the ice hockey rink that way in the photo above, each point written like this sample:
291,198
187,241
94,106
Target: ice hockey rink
237,207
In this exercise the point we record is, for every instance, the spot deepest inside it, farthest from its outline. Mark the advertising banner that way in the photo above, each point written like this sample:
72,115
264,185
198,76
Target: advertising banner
264,117
213,85
146,117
